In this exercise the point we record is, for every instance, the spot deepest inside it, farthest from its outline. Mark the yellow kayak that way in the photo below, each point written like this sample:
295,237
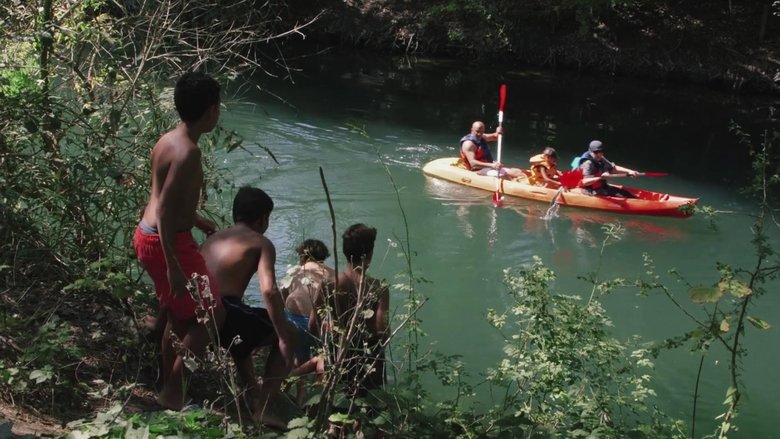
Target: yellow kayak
645,203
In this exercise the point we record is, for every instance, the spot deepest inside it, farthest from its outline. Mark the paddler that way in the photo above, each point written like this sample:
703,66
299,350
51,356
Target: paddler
475,154
596,168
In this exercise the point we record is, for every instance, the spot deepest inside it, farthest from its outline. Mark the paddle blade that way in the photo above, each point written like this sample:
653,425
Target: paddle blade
501,97
498,199
571,179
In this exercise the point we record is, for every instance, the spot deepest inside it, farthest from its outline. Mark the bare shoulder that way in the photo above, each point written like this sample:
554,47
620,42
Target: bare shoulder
175,145
261,242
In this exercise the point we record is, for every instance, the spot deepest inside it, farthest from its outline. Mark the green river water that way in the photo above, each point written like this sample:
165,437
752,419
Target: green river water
359,117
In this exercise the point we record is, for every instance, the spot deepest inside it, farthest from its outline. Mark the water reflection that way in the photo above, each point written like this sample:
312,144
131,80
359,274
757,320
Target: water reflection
585,226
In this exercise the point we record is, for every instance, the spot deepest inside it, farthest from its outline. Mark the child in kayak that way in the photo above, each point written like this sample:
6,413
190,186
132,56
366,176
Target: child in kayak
544,169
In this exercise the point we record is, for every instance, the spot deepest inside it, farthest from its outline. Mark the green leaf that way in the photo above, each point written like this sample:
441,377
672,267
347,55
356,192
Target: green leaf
758,323
341,418
298,422
141,432
297,433
40,376
705,294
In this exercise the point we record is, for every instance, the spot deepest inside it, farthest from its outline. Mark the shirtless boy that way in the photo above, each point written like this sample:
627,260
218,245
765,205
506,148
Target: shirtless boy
301,295
163,240
233,255
358,292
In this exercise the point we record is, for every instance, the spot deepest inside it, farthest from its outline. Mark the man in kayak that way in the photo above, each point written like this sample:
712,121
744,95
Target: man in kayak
233,255
596,169
163,240
544,169
475,154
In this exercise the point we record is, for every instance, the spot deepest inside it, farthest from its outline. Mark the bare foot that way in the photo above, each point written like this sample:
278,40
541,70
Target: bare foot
261,413
269,420
150,322
169,401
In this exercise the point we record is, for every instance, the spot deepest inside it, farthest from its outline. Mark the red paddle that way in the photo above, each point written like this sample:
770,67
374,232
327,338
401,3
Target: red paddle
639,174
498,199
569,180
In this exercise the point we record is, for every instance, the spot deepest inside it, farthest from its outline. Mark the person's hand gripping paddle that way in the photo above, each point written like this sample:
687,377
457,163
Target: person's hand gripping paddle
498,198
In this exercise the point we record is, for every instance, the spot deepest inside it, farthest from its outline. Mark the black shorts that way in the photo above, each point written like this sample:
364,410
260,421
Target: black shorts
251,324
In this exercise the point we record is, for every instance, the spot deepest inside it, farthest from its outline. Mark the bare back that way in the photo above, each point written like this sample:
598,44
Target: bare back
232,255
177,178
305,287
356,292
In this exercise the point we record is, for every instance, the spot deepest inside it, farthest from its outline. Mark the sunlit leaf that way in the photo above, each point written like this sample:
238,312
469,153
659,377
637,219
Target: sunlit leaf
76,434
341,418
297,433
758,323
141,432
298,422
40,376
735,287
190,363
705,294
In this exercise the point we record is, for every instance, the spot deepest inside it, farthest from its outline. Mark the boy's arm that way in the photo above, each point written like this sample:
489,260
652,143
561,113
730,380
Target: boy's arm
205,225
382,313
549,178
168,206
273,299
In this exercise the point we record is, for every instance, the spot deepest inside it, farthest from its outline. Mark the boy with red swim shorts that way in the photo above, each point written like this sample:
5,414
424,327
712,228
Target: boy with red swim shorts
163,241
148,247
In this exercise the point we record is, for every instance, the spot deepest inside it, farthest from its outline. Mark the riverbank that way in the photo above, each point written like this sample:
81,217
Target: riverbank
734,48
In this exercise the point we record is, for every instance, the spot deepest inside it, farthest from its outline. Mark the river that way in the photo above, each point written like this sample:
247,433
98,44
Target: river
363,118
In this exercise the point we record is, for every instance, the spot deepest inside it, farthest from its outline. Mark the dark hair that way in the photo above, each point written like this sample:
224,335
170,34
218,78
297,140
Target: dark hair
358,243
550,151
195,92
251,204
313,250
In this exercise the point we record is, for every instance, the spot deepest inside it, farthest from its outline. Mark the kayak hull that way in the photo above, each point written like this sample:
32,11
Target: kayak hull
646,203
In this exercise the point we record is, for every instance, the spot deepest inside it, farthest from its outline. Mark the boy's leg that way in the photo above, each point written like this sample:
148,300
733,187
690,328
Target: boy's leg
172,394
246,372
167,354
195,341
276,370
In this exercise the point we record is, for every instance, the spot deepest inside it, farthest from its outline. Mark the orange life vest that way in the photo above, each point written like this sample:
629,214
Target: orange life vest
537,162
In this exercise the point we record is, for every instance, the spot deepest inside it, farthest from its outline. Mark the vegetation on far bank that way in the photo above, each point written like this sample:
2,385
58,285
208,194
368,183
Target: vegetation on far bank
730,45
82,96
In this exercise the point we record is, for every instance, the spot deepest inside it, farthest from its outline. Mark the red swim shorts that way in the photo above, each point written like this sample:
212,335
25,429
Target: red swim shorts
148,248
